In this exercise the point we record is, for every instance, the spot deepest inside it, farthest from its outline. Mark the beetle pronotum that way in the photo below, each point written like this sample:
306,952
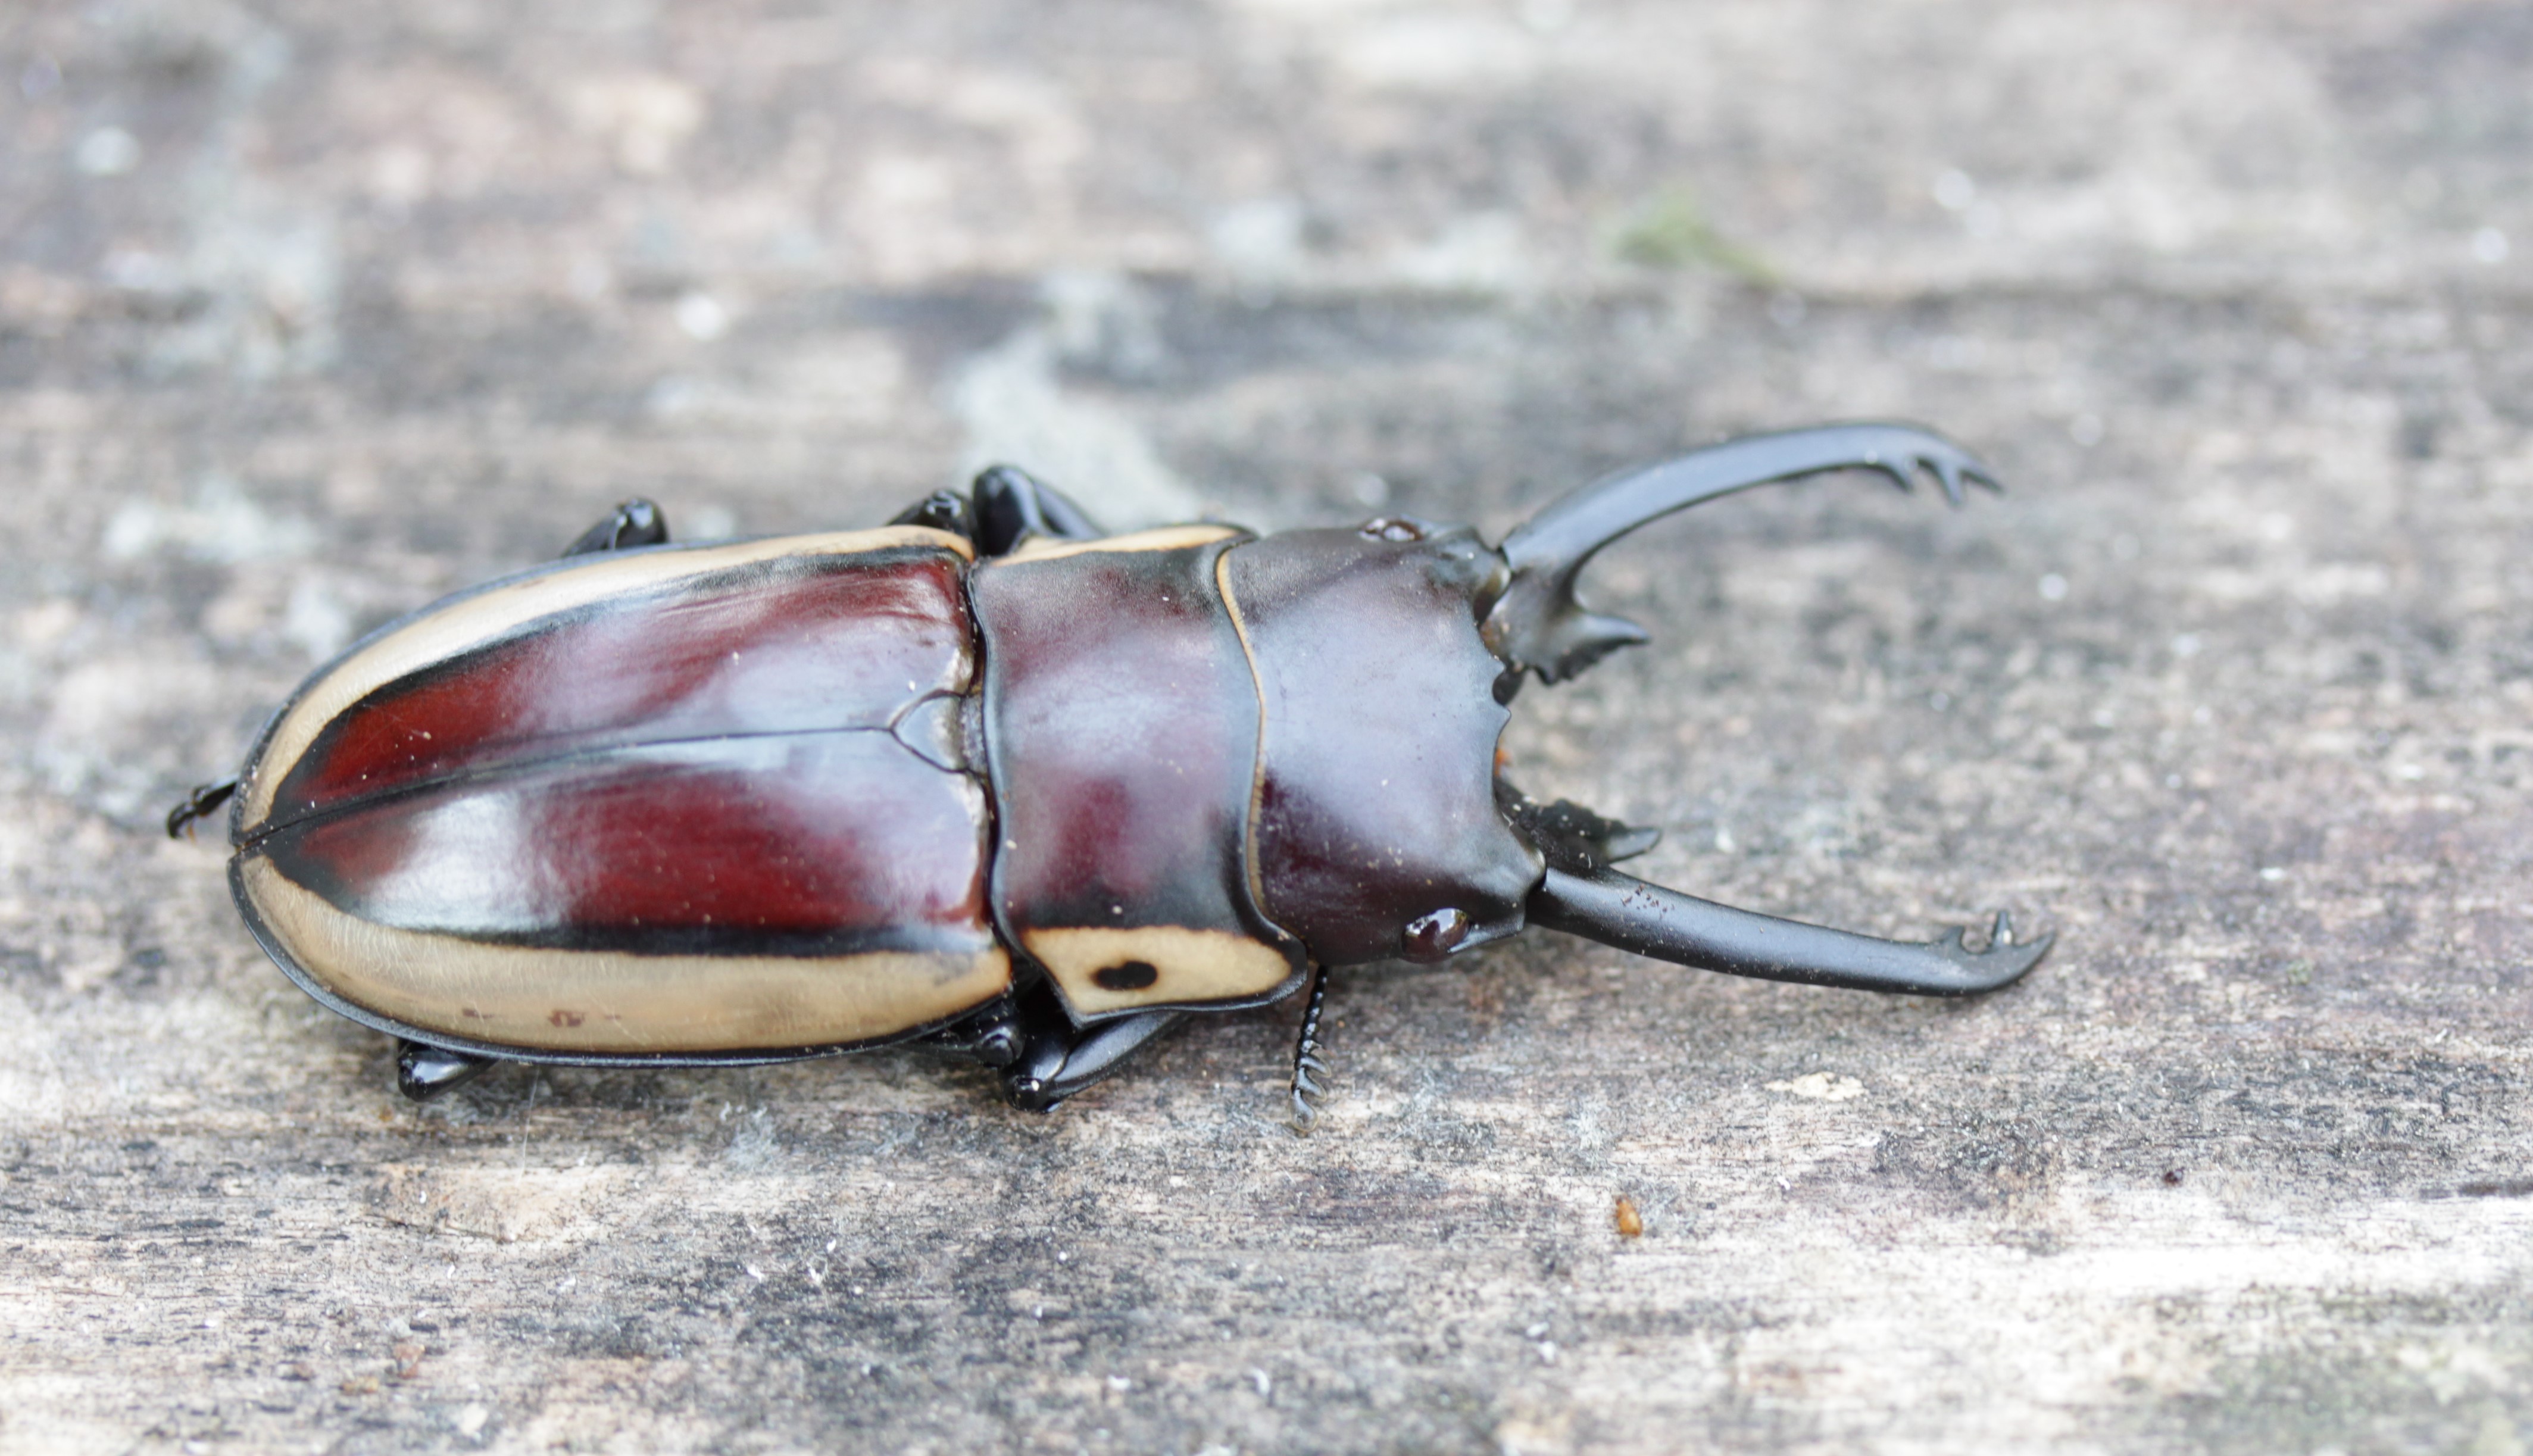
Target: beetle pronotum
984,780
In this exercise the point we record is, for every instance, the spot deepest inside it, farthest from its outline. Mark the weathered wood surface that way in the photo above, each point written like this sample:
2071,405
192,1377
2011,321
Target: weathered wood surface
307,315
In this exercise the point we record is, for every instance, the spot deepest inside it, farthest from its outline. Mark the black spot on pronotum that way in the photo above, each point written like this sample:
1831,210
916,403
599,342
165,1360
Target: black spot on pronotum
1126,975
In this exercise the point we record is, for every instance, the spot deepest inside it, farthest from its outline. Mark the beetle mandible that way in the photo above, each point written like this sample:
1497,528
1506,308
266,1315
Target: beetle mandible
985,782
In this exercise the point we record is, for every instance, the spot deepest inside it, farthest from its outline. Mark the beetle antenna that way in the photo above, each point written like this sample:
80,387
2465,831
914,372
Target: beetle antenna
1618,909
1538,624
1306,1054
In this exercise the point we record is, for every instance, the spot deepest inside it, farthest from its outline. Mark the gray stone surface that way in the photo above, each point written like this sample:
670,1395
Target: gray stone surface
308,314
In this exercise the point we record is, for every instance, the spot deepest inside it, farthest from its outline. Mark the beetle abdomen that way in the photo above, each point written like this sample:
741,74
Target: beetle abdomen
661,801
1122,719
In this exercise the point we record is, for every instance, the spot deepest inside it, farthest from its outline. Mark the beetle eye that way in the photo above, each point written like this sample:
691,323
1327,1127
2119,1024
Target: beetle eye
1391,527
1430,938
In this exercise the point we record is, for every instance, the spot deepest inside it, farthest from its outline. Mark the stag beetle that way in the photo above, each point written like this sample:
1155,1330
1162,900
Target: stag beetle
985,782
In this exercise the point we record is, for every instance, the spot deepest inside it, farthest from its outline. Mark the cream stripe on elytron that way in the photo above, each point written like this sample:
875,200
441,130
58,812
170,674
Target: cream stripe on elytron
445,631
1188,965
582,1001
1162,538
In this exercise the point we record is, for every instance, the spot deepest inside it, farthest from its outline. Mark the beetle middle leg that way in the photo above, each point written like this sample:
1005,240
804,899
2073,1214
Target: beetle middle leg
1061,1059
1013,506
638,522
1009,507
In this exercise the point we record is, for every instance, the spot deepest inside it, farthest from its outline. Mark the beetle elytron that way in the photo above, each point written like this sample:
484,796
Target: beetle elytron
984,780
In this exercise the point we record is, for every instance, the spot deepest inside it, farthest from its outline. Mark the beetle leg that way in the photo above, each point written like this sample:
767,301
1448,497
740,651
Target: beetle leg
1012,506
1306,1054
424,1070
1062,1059
942,510
638,522
993,1036
1536,624
202,802
1648,919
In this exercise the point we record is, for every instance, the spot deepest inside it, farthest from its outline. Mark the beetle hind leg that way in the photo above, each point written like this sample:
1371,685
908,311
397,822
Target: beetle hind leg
197,804
638,522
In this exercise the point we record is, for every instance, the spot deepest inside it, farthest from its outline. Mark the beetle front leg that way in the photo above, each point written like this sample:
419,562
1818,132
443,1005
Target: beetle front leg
1306,1054
203,801
638,522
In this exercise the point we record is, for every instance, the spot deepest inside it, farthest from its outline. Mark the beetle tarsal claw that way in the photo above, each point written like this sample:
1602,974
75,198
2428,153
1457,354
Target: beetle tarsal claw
1305,1116
1307,1086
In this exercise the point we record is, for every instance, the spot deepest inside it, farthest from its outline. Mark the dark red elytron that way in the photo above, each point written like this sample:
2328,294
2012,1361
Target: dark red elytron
984,780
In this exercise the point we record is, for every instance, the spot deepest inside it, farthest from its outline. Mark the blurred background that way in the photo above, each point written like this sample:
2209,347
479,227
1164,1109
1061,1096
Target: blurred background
310,314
